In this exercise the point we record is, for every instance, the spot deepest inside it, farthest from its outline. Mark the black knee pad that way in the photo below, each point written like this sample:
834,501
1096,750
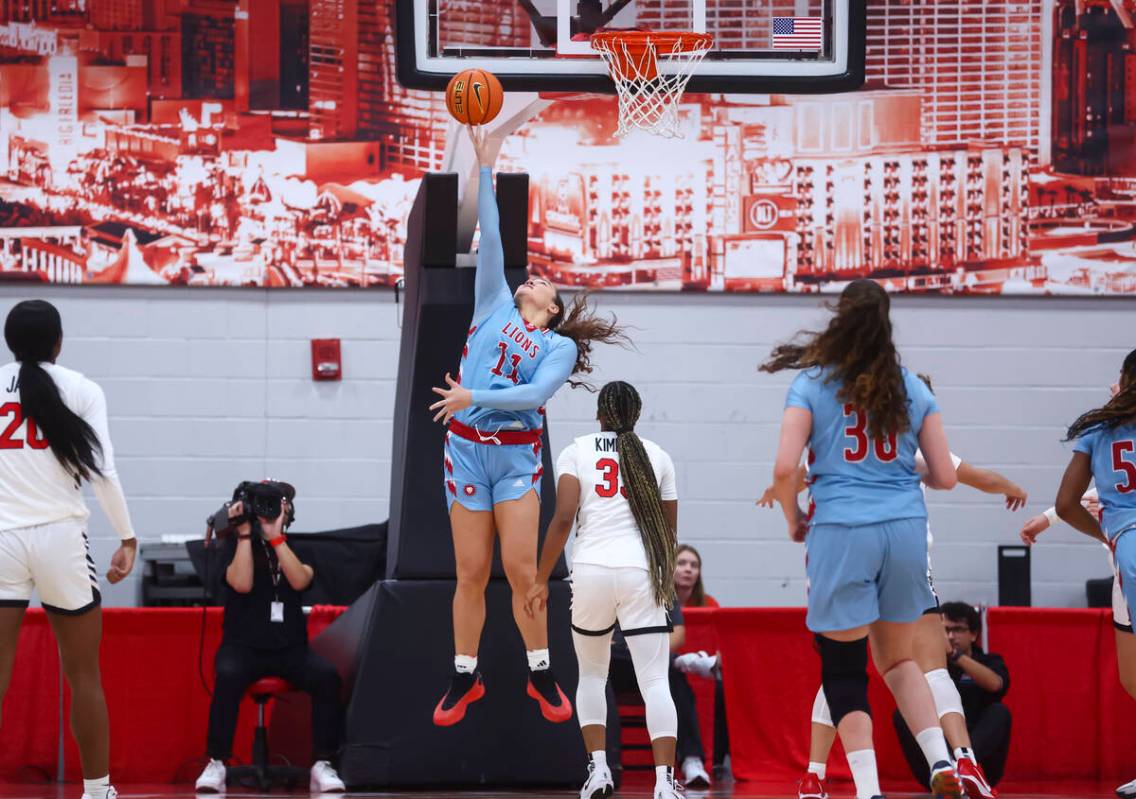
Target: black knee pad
844,676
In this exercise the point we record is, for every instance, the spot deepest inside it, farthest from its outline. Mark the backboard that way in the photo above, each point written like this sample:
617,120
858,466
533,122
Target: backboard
760,46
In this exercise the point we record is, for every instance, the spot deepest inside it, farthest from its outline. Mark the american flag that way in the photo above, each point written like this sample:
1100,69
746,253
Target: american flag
798,33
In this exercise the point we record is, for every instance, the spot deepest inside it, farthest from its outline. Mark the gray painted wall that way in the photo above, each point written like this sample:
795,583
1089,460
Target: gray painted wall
208,387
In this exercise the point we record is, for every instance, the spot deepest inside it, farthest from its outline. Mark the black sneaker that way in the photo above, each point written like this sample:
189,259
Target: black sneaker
464,690
554,705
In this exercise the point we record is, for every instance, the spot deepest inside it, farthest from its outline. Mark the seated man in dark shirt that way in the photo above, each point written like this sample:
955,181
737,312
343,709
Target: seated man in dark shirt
982,680
265,634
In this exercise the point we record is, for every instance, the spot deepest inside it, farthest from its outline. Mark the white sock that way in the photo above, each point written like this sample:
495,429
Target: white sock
864,774
538,659
934,746
599,759
464,664
97,789
664,775
962,752
820,769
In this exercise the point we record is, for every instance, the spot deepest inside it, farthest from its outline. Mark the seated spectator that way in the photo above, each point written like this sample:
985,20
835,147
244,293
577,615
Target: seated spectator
688,580
692,594
982,680
264,634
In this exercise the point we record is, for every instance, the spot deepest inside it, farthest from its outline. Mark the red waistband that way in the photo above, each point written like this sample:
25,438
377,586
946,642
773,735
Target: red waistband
498,437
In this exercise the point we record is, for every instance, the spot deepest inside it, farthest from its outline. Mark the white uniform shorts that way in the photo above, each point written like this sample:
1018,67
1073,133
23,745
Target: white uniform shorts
603,595
54,559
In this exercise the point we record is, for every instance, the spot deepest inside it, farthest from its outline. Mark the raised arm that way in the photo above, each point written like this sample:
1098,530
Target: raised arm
550,376
490,288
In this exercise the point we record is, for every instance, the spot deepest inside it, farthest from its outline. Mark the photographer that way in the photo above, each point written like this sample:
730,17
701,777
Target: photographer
265,633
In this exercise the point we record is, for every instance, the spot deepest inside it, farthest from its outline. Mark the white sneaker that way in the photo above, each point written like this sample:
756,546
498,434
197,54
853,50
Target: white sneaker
1128,789
694,773
599,784
669,789
324,779
212,779
111,793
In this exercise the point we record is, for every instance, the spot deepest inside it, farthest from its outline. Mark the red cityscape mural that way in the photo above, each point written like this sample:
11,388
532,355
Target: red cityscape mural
267,143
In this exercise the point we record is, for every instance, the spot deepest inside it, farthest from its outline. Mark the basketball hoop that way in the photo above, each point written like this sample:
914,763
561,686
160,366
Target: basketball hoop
648,95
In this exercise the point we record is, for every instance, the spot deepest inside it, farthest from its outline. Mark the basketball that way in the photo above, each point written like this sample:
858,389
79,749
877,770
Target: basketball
474,96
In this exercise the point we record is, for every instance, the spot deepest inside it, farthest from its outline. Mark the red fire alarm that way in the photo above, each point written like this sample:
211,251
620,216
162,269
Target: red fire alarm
326,362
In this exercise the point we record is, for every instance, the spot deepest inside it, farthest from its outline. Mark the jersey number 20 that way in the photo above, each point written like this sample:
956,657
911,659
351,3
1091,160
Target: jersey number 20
886,449
8,438
610,478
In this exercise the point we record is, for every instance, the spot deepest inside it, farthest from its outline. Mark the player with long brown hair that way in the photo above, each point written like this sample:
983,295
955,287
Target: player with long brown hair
863,417
619,489
522,347
1104,453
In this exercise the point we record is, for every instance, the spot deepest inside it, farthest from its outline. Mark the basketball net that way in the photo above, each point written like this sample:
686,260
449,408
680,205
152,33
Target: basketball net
649,96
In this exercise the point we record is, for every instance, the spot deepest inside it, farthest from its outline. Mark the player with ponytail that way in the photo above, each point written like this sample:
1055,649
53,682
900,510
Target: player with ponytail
55,438
619,489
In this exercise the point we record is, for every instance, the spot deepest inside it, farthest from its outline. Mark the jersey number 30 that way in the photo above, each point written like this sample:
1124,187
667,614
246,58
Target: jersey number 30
610,478
886,449
8,438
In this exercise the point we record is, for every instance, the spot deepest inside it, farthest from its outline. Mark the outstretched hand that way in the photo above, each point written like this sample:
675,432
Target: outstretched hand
453,399
768,499
477,136
1033,528
1016,498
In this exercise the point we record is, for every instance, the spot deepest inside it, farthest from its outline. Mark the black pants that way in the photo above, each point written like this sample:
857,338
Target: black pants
238,667
989,736
622,680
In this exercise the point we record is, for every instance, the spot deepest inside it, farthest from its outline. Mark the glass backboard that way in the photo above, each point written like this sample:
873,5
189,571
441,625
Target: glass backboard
760,46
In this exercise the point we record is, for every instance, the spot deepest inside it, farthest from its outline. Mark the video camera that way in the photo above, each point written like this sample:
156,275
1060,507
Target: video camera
263,500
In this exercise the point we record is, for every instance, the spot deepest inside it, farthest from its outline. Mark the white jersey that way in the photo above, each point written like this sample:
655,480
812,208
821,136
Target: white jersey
606,531
35,489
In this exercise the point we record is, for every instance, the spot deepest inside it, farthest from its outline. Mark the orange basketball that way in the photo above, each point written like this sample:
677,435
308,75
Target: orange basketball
474,96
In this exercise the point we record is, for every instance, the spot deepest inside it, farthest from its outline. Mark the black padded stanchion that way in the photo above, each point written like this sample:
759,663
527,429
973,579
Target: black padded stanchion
404,666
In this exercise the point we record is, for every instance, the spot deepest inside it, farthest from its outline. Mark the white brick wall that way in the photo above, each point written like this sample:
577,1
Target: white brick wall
208,387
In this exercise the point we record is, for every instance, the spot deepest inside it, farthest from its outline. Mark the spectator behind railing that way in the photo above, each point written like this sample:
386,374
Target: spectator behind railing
691,593
688,580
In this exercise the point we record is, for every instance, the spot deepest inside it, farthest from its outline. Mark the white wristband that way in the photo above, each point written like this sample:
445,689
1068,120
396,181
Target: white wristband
1051,515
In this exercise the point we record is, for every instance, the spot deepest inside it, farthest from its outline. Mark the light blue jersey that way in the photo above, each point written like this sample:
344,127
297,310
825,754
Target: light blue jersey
1113,457
512,367
855,480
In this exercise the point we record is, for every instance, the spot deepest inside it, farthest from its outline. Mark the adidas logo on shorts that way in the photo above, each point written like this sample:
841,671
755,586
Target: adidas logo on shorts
519,484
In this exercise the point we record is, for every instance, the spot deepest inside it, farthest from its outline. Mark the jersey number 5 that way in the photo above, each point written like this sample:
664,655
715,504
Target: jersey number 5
1125,467
8,438
610,477
886,449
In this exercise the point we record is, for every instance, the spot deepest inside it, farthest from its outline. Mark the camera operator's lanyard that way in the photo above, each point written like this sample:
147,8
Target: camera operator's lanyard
276,609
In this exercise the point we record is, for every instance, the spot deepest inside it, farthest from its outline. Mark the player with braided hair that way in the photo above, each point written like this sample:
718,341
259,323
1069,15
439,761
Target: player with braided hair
620,490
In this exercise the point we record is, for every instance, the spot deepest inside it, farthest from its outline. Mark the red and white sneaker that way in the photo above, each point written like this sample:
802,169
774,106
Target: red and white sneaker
974,780
811,787
945,783
464,690
554,705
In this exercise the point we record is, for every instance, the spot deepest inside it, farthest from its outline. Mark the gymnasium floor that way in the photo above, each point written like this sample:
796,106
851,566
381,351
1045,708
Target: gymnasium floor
748,790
